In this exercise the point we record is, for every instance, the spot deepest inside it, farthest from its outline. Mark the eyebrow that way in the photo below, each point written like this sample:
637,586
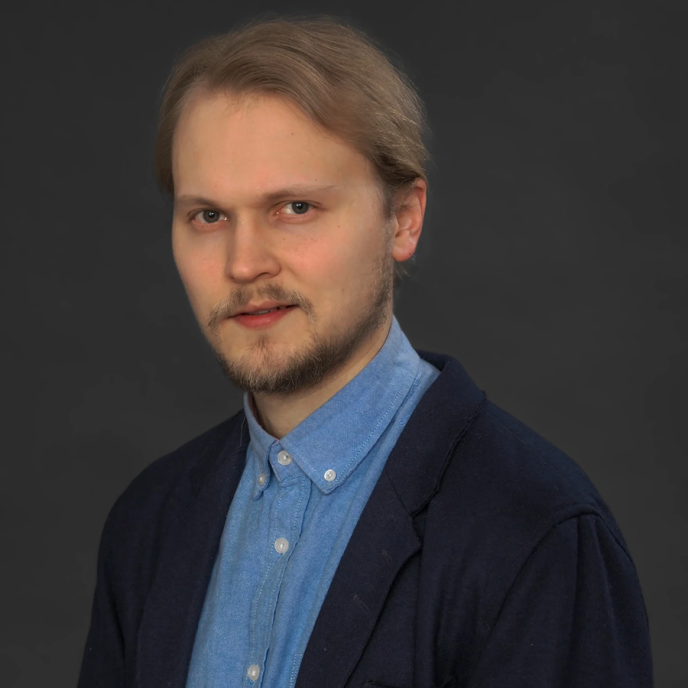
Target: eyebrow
288,191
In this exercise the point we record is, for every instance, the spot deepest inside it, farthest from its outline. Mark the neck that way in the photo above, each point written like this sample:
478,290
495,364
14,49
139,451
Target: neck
279,414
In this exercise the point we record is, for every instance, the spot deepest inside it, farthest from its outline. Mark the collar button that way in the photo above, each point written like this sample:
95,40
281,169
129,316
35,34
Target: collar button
284,458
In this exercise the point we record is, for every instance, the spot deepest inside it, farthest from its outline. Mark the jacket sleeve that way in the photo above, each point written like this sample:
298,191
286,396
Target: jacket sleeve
103,660
574,617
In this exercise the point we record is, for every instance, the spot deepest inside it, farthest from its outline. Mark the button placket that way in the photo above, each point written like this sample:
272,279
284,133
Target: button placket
286,519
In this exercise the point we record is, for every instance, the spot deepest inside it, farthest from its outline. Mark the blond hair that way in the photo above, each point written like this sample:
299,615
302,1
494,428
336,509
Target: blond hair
332,71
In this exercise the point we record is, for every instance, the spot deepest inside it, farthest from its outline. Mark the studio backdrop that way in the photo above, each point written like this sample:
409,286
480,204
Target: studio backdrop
553,265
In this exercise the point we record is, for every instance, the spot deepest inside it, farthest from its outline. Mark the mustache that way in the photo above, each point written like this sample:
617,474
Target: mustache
244,295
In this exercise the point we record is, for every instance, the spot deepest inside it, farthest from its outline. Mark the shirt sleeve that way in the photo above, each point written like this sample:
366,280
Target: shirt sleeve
103,660
574,617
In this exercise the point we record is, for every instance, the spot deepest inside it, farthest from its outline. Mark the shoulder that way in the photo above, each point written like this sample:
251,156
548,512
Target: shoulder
506,488
156,495
537,477
518,538
492,474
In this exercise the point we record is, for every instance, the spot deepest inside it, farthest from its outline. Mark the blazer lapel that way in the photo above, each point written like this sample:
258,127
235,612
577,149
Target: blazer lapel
174,603
385,536
382,541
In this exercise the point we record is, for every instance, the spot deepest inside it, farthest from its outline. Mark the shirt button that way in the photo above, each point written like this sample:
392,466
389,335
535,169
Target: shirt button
330,475
261,479
284,458
281,545
253,672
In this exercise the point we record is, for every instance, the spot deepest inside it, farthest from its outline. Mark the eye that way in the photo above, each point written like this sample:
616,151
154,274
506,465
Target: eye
208,217
299,207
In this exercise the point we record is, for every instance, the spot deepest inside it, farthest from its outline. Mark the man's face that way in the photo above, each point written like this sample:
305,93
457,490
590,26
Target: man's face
270,211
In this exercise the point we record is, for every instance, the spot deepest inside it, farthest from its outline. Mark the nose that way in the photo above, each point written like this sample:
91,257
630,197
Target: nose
249,253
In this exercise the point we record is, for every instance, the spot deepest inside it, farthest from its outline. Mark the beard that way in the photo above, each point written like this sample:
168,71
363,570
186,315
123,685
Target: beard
262,370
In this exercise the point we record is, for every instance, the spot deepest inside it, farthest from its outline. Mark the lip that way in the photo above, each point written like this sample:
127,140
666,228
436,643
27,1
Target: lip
253,322
263,306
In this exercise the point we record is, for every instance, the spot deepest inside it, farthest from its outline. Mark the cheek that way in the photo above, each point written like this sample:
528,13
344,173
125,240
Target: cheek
197,270
325,266
335,272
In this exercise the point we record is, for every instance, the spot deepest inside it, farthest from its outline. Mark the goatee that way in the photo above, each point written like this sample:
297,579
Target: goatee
260,370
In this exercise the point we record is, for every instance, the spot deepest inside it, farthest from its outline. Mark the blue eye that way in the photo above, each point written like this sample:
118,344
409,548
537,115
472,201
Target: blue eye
299,207
209,216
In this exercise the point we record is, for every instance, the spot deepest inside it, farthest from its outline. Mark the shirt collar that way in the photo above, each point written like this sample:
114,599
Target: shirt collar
336,437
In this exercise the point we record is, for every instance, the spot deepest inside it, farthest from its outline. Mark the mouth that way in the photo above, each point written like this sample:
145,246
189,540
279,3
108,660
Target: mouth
263,311
262,315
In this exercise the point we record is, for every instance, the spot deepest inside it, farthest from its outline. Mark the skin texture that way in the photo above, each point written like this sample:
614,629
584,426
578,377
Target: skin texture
329,250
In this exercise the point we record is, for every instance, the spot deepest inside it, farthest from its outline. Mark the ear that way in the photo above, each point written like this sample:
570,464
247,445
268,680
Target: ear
408,221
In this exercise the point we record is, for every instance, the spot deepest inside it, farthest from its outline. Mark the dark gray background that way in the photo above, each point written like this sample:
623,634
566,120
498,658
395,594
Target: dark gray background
553,266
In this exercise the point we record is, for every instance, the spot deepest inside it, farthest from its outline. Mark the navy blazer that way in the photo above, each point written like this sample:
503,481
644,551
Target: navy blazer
484,558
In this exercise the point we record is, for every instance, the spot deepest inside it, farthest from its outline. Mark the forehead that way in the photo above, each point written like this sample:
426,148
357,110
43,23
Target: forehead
225,143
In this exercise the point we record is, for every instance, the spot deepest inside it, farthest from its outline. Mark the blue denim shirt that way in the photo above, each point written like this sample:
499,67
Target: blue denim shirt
292,516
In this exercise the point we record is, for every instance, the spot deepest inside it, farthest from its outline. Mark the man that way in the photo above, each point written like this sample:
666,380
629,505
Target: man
369,518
